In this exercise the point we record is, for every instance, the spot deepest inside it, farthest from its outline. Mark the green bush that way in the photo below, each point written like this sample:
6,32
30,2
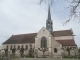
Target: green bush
22,56
66,57
27,56
79,57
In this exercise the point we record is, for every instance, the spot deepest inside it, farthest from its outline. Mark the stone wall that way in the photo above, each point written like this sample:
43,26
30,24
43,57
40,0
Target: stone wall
51,43
17,52
63,37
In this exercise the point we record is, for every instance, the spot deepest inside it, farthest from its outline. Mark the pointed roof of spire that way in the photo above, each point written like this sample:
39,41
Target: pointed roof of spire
49,14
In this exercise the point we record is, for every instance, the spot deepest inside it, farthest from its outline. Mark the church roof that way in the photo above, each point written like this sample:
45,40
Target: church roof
69,42
22,38
62,33
30,38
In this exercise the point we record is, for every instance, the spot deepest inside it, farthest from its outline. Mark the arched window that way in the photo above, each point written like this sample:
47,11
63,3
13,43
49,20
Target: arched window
18,47
43,42
11,47
26,47
55,50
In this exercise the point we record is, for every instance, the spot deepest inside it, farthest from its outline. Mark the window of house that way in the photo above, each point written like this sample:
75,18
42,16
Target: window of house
18,47
55,50
26,47
43,42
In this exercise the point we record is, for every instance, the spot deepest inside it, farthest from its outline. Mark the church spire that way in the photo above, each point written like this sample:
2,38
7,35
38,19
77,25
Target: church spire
49,23
49,14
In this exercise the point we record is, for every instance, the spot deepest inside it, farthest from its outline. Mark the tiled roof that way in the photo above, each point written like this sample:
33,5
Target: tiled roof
69,42
23,38
62,33
30,38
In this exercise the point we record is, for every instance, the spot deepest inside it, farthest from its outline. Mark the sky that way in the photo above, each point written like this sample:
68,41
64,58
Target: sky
27,16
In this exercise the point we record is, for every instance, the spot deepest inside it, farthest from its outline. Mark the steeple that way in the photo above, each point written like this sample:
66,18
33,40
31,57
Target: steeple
49,23
49,14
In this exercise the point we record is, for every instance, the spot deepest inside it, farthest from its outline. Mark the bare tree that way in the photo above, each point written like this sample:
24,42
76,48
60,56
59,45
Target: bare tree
74,6
13,52
22,50
31,51
6,51
68,49
43,50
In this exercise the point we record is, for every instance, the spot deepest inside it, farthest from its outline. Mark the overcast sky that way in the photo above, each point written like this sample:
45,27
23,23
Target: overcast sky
27,16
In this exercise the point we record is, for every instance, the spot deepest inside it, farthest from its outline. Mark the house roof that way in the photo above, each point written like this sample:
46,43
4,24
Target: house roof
30,38
69,42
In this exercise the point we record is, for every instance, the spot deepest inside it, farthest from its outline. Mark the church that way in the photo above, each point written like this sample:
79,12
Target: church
45,42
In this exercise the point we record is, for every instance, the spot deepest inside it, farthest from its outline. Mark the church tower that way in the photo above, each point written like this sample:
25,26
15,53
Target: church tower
49,24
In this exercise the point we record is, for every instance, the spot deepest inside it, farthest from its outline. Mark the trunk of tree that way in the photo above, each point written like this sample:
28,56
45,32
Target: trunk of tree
13,53
43,53
69,53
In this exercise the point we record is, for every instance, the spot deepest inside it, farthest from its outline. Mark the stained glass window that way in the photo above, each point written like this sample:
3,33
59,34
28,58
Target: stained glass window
43,42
